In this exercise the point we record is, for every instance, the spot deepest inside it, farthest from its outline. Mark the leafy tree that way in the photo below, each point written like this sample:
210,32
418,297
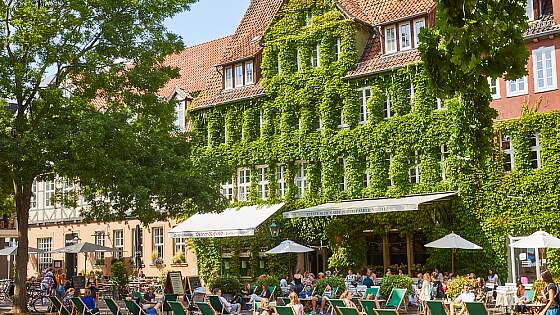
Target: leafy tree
82,78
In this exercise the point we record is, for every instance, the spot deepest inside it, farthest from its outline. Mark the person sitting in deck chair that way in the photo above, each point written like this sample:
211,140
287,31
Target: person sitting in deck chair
231,308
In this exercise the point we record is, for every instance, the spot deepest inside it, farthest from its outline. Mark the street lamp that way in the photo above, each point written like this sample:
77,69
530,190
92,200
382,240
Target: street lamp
274,229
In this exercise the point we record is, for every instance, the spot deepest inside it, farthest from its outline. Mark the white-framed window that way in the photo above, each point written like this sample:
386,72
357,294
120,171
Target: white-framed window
404,36
544,69
444,153
99,239
243,183
179,246
316,56
301,178
529,10
44,259
249,72
308,17
535,147
157,241
341,169
341,122
390,39
278,65
337,49
180,115
281,180
419,24
118,243
414,170
261,119
298,59
411,90
34,194
386,110
507,153
262,182
228,78
137,236
494,85
363,95
388,162
517,87
226,188
440,104
49,186
68,187
366,173
239,75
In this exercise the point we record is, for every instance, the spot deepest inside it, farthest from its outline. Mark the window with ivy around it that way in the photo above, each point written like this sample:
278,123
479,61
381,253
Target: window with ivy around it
388,162
494,87
443,157
337,49
281,180
535,147
226,188
386,110
301,178
507,153
243,184
316,56
414,170
363,96
410,93
340,170
262,182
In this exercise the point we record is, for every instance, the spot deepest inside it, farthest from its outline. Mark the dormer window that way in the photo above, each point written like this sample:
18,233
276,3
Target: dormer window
239,75
390,39
404,35
419,24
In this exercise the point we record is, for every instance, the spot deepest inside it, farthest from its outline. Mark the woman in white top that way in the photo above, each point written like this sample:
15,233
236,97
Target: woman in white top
426,291
297,307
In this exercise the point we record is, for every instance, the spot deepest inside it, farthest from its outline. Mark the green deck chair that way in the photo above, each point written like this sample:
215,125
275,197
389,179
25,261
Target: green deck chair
284,310
386,312
334,304
138,296
134,308
205,308
348,310
476,308
272,290
168,297
286,300
334,291
368,306
371,291
80,306
177,308
58,307
216,304
436,308
396,298
113,306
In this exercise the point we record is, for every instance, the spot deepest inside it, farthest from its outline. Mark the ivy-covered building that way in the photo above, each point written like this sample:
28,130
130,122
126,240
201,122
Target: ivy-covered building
312,101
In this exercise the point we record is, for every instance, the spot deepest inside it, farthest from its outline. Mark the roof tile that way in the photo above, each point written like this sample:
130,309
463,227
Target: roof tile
382,11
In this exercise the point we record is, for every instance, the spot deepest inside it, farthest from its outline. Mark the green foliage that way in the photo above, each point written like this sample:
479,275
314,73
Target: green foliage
455,286
395,281
268,281
228,284
119,276
333,281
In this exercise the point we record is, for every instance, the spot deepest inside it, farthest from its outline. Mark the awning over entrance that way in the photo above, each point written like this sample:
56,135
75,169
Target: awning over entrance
366,206
231,222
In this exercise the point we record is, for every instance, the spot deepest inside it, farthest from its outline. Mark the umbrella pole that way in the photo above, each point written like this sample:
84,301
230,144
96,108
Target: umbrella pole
453,261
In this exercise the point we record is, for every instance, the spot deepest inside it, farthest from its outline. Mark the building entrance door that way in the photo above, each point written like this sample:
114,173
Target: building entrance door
70,260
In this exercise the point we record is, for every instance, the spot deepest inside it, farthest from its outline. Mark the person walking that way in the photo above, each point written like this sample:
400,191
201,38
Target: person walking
551,296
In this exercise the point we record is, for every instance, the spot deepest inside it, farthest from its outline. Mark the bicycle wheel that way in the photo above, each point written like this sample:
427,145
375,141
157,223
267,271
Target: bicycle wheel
40,304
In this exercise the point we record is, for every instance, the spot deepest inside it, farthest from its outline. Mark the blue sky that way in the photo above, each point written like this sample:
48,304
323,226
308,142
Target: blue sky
208,20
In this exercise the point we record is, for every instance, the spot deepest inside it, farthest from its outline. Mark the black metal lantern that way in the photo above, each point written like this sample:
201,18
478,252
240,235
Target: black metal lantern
274,229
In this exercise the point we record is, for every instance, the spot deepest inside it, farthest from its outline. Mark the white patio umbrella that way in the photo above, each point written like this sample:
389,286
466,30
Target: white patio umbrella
82,248
289,247
12,251
539,239
454,242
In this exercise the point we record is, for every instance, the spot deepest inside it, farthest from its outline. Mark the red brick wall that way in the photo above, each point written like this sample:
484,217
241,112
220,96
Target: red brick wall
511,107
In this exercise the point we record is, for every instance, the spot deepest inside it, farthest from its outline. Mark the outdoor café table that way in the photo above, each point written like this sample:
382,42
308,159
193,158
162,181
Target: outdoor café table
534,308
505,298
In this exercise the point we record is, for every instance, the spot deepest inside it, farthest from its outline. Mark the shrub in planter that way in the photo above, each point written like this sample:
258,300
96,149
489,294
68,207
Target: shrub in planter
455,286
119,277
395,281
228,284
334,281
268,281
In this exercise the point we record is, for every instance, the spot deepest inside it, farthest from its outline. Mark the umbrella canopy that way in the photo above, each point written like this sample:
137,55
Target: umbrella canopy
539,239
453,241
289,247
82,248
11,251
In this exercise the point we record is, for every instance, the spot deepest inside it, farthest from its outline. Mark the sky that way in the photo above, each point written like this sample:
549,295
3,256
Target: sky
208,20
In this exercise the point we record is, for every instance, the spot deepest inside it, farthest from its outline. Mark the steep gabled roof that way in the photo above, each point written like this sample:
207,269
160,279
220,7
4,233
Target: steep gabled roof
377,12
246,41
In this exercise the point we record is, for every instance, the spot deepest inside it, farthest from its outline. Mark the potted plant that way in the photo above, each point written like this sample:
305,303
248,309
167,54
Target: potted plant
119,278
229,285
156,260
396,281
180,258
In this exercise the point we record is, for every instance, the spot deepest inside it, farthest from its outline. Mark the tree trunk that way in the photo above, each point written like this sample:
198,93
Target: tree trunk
23,203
